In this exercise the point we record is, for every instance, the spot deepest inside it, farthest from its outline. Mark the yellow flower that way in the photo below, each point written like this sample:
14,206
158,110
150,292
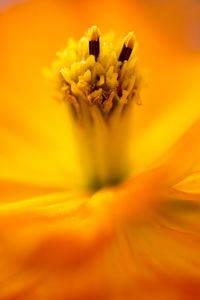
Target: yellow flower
137,239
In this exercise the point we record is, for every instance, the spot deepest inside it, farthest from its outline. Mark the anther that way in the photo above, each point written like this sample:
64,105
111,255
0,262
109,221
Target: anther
127,47
94,34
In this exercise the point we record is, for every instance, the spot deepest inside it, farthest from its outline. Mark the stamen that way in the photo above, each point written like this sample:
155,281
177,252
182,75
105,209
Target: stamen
127,47
94,34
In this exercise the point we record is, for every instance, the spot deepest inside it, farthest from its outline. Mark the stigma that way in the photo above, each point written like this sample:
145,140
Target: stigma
98,80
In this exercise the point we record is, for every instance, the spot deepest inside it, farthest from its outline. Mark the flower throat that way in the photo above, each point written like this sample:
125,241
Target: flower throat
97,79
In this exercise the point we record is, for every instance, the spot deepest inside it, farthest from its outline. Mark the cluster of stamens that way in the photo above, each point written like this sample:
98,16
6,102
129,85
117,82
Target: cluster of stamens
98,79
100,71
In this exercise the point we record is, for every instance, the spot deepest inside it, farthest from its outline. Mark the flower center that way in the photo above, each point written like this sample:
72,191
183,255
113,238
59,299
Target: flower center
98,80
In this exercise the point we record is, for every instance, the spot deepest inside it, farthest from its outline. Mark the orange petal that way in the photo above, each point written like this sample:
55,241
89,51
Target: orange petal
103,242
64,237
47,236
190,184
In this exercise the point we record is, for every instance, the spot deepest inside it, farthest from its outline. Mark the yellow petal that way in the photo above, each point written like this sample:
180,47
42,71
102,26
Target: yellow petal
166,129
183,157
